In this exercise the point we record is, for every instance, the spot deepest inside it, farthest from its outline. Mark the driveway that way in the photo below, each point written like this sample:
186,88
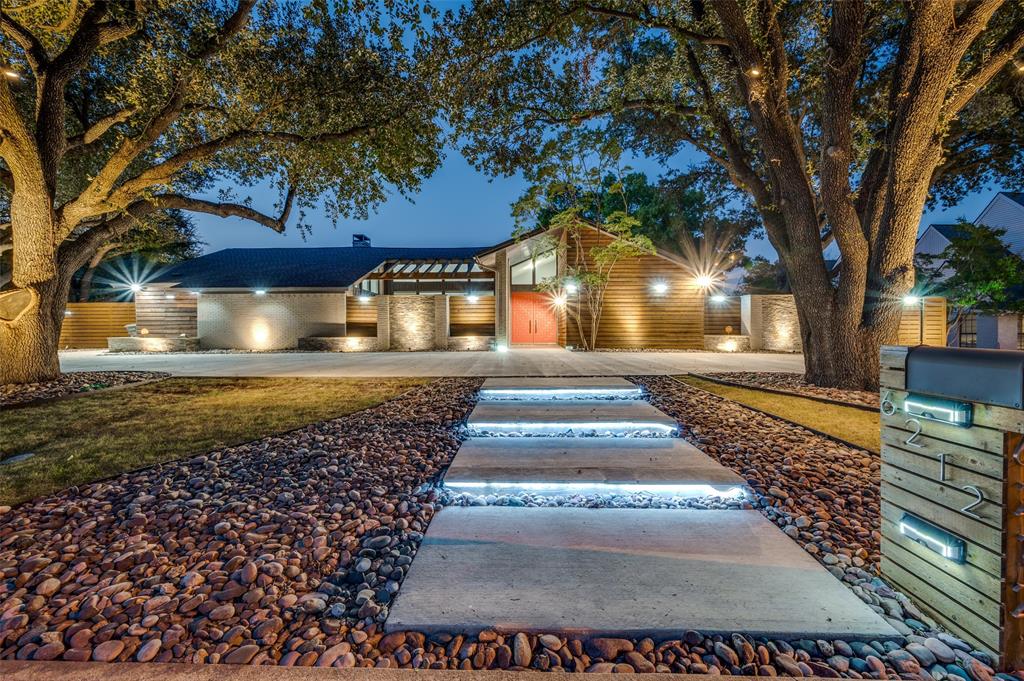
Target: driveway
524,362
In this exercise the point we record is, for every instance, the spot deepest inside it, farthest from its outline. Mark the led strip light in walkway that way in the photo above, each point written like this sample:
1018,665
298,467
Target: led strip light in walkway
575,428
692,490
560,393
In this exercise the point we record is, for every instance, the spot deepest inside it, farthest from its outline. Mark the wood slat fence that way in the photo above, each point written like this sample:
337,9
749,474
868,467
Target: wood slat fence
88,325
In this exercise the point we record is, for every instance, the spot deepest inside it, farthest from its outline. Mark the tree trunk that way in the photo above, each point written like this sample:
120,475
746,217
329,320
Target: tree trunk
30,339
85,283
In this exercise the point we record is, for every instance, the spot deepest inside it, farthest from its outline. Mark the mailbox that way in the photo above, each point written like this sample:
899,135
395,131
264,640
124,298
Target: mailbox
968,375
952,475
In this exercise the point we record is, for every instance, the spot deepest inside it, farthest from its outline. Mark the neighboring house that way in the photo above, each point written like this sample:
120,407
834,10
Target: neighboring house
369,298
1005,211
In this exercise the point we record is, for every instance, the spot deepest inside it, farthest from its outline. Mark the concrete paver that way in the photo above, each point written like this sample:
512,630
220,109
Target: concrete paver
629,572
561,417
582,465
517,362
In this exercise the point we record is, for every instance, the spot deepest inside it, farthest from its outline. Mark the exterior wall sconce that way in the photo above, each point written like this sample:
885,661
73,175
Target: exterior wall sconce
718,298
660,287
911,300
135,288
364,299
472,299
259,292
704,281
571,288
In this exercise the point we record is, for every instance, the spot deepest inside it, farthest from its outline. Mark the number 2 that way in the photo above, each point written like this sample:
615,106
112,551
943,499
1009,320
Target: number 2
980,497
913,436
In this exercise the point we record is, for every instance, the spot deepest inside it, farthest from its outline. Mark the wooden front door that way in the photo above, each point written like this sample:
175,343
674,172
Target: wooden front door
533,319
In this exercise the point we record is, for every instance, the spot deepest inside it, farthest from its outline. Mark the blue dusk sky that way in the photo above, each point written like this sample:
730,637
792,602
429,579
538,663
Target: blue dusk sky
457,206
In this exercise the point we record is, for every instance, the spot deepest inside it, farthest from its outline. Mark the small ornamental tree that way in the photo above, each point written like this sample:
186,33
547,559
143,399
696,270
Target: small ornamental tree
976,273
583,194
113,111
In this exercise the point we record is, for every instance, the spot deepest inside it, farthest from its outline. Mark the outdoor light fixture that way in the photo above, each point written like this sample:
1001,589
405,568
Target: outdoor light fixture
501,347
259,292
364,298
196,293
718,298
938,409
559,393
911,300
472,299
560,300
933,538
68,313
13,75
571,288
556,429
691,490
755,72
135,288
704,280
659,287
169,296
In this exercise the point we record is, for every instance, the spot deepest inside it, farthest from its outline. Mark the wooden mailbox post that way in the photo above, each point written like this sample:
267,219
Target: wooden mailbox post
952,523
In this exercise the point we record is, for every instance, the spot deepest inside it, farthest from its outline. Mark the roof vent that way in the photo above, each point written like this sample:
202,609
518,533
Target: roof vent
360,240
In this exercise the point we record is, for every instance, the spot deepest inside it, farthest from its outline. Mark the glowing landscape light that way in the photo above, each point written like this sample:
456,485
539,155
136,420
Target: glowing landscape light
660,287
575,428
661,489
472,299
501,347
718,298
571,288
559,393
12,74
135,287
559,300
704,281
364,299
911,300
259,292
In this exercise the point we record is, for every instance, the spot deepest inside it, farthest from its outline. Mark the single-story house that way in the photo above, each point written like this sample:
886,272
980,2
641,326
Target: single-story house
370,298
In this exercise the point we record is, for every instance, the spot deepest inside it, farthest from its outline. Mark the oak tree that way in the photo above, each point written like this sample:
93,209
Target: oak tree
113,110
837,122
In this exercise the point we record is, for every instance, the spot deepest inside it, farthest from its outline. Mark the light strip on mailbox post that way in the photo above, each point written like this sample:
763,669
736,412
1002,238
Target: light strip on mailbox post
938,409
933,538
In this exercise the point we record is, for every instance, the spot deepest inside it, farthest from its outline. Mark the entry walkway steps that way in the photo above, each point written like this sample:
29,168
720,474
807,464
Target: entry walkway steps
569,388
569,418
563,465
626,572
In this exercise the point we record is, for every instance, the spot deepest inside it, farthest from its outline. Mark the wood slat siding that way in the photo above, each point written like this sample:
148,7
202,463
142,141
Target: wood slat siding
360,317
470,319
975,600
634,316
166,317
934,323
717,316
89,325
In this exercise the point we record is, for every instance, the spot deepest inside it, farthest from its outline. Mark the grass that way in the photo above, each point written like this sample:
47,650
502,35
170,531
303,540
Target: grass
856,426
96,436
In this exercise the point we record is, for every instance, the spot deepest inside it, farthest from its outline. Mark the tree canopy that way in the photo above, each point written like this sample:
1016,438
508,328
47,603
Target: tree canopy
111,111
834,121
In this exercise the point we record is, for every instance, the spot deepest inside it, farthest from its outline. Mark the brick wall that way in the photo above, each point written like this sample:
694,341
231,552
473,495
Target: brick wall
412,322
268,322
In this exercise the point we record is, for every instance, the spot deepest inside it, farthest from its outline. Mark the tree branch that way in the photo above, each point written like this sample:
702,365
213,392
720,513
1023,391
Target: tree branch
97,129
976,81
35,53
227,210
652,22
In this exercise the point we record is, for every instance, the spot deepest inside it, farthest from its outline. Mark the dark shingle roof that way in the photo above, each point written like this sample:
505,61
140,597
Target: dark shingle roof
950,231
1015,196
294,267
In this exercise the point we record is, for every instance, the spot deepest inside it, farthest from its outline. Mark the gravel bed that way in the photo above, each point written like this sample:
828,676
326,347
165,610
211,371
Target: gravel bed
288,550
795,383
70,384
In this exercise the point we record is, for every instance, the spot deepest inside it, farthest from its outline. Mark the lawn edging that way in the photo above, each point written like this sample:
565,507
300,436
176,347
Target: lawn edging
788,393
776,416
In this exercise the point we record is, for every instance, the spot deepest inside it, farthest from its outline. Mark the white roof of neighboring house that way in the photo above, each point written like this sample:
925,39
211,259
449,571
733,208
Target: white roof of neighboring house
1004,211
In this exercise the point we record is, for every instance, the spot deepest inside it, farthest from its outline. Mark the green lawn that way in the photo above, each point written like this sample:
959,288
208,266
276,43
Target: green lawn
89,438
857,426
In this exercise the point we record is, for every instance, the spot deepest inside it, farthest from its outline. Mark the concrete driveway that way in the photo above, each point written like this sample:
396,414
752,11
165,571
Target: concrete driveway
517,362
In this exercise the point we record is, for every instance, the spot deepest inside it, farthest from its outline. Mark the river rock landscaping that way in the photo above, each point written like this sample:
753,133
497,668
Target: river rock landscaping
288,550
72,383
795,384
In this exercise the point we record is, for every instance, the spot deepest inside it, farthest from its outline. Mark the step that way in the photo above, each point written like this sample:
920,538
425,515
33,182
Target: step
570,418
623,572
597,465
566,388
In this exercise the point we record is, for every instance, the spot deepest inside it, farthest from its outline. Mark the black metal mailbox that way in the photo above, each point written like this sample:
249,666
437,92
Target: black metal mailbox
986,376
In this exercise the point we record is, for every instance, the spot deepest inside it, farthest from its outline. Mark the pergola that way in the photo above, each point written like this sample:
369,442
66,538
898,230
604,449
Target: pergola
407,275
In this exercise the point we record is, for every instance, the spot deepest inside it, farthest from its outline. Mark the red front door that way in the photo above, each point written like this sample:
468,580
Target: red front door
533,319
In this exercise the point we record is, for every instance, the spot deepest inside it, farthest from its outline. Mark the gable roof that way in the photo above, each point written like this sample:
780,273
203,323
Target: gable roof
1014,196
948,230
294,267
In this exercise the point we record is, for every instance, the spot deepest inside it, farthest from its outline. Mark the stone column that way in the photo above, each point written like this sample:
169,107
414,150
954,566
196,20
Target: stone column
750,320
501,298
383,322
441,322
998,331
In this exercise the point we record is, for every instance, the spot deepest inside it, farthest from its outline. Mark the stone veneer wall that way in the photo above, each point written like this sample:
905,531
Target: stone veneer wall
464,343
780,326
412,323
726,343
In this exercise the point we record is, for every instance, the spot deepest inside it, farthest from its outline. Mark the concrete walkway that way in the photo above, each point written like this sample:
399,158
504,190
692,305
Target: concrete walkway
623,572
608,571
517,362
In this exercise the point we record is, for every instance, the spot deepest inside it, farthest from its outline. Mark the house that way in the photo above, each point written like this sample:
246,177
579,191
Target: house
1005,211
364,297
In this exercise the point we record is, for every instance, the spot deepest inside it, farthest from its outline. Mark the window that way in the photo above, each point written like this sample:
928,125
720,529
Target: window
969,331
536,269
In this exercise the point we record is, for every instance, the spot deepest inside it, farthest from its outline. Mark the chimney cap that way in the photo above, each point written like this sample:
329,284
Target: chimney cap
360,240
